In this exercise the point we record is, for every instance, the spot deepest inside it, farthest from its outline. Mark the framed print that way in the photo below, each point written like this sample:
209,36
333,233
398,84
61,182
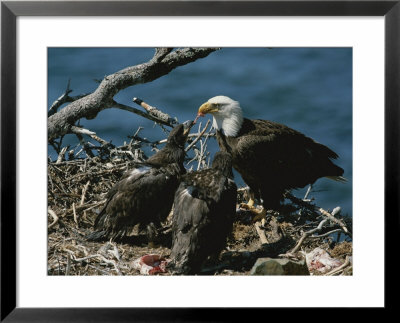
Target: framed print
337,60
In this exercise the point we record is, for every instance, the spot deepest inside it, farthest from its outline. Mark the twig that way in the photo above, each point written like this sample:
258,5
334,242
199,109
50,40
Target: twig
100,270
51,182
84,192
82,259
68,268
162,141
134,136
123,152
83,248
94,205
100,140
91,134
85,207
85,146
54,216
196,156
114,252
261,233
338,269
141,113
155,112
203,153
94,174
305,198
326,234
335,220
307,234
200,156
107,261
304,203
81,131
308,192
112,262
198,137
75,216
60,101
61,154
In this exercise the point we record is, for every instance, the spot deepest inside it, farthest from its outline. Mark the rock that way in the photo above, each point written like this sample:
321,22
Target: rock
270,266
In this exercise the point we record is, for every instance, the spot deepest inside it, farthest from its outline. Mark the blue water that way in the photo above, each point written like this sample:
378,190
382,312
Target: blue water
308,89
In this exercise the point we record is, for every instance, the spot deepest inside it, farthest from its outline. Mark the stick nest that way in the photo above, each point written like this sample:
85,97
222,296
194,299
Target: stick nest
76,193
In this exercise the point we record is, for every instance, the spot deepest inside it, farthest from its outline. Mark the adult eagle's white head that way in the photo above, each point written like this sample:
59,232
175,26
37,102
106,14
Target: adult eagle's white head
227,114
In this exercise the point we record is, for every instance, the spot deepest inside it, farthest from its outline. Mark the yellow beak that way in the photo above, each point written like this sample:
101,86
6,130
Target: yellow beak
206,108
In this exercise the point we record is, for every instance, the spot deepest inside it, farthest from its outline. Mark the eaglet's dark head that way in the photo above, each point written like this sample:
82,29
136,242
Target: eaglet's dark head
178,135
173,151
223,162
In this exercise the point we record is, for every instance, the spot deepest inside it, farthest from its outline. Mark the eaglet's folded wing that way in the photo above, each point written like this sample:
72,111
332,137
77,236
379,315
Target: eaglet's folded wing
139,189
197,193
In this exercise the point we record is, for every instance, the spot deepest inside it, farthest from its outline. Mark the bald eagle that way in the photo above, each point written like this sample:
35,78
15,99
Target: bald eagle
270,157
204,210
145,193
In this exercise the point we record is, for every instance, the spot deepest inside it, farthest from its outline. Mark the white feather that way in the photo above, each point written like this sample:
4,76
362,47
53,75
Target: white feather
229,117
138,171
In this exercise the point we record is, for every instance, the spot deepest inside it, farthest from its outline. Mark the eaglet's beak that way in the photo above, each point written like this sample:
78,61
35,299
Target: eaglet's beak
206,108
187,125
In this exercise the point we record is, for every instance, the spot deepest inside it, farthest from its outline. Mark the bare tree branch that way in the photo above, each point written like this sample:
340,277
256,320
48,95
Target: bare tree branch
141,113
162,117
61,100
163,62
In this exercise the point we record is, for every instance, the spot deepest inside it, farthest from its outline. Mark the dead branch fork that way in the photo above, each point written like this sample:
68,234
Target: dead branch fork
328,217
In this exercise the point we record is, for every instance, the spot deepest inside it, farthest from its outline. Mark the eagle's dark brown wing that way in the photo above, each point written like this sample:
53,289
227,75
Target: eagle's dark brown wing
272,157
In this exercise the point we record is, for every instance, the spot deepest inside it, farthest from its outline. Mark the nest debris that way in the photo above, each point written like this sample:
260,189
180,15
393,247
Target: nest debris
76,193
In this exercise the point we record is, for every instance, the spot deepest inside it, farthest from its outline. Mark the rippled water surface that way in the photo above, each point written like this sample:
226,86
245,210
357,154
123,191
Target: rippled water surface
308,89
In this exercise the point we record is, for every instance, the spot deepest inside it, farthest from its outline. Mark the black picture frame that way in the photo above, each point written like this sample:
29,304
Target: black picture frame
10,10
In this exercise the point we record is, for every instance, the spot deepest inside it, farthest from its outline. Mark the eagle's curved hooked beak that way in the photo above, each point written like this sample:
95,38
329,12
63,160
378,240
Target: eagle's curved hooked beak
204,109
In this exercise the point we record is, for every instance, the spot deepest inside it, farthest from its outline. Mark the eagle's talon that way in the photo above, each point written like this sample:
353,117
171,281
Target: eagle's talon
245,206
248,206
258,213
